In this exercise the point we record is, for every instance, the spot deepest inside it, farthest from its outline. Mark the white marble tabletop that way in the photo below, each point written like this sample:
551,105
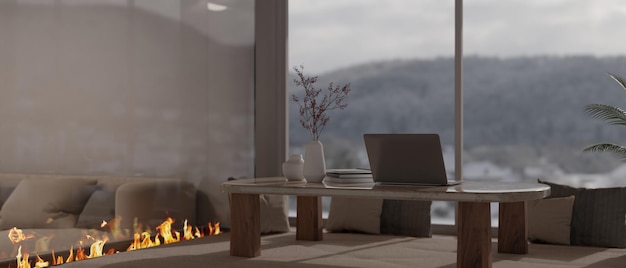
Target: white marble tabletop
468,191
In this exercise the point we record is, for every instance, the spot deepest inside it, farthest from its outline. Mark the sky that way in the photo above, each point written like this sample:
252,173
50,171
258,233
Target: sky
325,35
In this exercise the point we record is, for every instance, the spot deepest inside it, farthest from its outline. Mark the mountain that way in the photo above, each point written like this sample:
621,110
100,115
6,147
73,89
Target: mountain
535,102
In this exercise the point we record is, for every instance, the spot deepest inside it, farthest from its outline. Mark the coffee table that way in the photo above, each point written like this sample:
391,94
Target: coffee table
473,214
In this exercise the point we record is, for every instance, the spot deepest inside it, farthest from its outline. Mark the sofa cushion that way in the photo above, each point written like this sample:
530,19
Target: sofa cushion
597,216
406,217
274,213
150,202
46,203
354,215
549,220
99,207
8,182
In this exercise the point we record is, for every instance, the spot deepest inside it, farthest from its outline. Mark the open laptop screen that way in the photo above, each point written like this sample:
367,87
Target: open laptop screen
406,158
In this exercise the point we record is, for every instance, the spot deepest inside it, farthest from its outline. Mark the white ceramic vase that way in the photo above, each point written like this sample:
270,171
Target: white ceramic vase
314,164
293,168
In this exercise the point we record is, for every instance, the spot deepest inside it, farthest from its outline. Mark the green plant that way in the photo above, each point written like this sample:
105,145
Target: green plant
613,116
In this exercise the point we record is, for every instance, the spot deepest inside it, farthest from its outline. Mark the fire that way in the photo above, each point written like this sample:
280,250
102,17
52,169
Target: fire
187,231
214,229
114,228
96,249
165,229
22,262
141,239
17,235
41,263
80,253
70,257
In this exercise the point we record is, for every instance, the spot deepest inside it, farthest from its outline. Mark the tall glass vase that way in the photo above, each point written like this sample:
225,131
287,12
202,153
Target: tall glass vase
314,168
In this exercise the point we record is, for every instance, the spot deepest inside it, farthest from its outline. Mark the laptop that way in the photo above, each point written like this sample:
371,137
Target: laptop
407,159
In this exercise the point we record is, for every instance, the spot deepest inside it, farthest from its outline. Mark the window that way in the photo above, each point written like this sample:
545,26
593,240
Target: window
530,68
398,57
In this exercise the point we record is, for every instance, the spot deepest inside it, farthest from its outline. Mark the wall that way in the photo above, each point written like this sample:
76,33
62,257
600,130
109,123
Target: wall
142,88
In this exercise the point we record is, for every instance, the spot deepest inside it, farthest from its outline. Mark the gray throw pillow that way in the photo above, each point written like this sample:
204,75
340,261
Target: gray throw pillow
354,215
598,215
99,207
404,217
550,220
274,214
46,203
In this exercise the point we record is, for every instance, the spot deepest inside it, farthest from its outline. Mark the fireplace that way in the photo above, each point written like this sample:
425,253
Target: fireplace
55,219
100,246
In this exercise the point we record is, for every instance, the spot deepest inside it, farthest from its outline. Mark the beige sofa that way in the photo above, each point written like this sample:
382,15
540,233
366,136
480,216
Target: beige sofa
60,210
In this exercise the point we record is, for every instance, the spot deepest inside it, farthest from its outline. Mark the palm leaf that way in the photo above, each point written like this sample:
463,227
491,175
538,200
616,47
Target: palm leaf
608,147
613,115
619,80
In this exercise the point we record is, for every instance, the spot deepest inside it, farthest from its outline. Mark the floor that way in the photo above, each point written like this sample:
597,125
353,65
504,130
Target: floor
351,250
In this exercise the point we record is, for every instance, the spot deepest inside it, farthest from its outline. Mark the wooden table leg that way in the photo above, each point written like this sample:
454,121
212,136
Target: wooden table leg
309,218
513,228
245,225
474,235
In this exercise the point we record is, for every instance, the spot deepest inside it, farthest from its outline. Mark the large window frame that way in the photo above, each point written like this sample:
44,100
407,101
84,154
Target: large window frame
271,118
271,129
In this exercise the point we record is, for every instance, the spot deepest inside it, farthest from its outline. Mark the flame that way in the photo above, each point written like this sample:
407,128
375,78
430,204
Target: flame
214,229
136,244
114,228
58,260
80,252
188,231
41,263
22,262
141,240
97,247
165,229
70,257
17,235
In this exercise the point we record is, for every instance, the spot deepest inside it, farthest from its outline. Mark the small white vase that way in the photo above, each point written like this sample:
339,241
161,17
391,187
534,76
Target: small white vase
314,163
293,168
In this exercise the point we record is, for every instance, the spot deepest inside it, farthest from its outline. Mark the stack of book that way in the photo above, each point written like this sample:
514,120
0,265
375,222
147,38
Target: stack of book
348,175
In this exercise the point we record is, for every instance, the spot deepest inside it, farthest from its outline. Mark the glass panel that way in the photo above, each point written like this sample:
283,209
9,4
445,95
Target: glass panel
398,57
131,88
531,68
